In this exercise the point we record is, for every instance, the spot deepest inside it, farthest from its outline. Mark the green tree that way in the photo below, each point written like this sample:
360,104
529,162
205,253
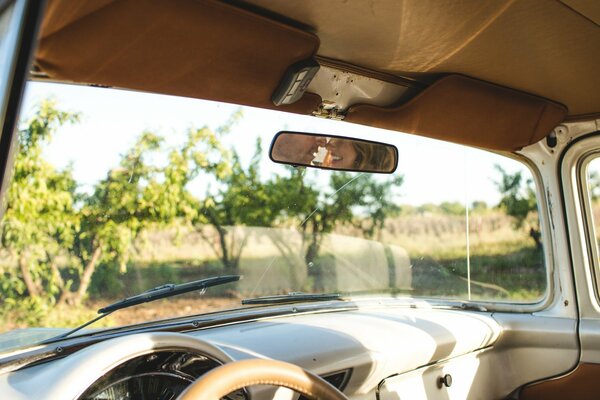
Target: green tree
243,199
238,200
140,195
122,204
452,208
48,219
479,206
519,201
40,218
358,200
428,208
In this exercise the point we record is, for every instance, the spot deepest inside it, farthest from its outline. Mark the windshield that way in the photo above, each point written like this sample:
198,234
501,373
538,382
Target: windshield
117,192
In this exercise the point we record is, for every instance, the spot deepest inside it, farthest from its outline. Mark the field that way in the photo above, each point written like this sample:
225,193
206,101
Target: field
425,254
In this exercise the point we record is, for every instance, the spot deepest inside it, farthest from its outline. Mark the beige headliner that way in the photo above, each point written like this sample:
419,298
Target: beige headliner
472,54
545,47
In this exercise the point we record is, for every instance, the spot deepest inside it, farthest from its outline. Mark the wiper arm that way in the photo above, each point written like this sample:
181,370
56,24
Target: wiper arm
293,297
157,293
168,290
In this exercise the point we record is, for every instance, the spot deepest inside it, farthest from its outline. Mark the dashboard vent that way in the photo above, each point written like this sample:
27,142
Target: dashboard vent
337,379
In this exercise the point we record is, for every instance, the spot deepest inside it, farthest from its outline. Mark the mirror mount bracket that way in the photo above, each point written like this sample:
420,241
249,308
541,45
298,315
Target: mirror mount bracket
329,110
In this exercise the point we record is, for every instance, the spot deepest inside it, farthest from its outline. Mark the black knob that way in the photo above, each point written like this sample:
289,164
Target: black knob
446,380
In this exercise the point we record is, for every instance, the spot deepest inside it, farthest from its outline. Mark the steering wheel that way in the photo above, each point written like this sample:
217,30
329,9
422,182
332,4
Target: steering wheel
225,379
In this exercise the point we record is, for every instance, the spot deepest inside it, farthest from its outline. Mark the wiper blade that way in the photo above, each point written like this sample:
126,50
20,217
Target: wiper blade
157,293
293,297
169,290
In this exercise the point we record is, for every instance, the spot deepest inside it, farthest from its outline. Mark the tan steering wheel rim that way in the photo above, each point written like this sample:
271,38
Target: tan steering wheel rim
233,376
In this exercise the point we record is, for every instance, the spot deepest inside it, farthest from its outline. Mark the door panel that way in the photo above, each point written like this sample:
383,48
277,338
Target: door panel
580,384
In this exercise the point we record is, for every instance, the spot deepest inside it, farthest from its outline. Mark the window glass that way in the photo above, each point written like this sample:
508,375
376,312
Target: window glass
116,192
5,23
593,181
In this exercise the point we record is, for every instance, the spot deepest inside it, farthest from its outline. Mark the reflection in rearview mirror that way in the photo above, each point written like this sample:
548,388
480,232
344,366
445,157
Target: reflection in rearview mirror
333,152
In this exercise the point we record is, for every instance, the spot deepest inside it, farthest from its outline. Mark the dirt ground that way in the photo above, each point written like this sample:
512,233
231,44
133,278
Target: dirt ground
69,316
170,308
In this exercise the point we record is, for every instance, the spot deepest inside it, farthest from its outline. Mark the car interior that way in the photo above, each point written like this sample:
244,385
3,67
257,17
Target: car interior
516,78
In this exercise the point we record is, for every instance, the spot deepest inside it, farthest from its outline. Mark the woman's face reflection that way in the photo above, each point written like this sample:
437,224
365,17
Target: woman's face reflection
340,154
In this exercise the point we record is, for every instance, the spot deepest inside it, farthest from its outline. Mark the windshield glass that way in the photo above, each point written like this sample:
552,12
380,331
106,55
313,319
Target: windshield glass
117,192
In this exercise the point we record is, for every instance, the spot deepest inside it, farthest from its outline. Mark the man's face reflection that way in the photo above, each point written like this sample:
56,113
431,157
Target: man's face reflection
300,149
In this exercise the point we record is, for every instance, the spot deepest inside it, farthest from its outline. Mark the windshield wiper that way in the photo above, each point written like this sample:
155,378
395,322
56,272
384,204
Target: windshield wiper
157,293
293,297
169,290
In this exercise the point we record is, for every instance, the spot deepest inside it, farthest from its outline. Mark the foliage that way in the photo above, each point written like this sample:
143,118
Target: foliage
518,200
122,204
452,208
47,219
358,200
40,217
241,200
594,185
479,206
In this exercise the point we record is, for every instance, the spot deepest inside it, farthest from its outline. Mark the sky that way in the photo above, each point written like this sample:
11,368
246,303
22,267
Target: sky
434,171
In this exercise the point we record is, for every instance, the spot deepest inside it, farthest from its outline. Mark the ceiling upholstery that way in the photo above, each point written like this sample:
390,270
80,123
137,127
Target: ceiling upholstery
498,118
589,9
499,71
178,47
545,47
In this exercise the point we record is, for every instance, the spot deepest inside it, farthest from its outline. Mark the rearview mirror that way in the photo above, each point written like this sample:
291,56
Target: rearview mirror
333,152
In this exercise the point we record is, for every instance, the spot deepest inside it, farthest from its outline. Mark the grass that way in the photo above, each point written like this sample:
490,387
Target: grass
518,275
25,314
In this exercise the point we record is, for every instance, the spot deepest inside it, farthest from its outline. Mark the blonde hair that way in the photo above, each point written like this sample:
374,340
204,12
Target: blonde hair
373,157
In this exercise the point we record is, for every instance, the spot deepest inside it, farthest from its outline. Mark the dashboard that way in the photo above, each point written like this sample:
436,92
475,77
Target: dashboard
371,352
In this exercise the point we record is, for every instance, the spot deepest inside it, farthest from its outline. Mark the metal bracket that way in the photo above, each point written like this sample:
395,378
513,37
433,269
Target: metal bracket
329,110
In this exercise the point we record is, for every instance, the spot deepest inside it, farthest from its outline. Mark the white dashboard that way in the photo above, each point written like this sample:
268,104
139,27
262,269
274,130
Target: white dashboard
385,353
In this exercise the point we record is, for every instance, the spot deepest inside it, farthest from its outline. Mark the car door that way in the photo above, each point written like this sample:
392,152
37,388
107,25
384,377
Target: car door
577,167
580,176
19,21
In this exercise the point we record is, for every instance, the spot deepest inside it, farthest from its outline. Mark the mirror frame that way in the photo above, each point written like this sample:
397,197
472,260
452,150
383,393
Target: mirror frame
393,170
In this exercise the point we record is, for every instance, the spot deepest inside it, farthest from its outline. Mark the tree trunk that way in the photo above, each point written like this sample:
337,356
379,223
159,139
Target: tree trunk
229,263
536,235
314,270
32,288
56,273
65,295
62,298
86,278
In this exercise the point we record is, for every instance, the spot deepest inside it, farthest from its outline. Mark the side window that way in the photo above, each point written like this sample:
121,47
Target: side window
593,184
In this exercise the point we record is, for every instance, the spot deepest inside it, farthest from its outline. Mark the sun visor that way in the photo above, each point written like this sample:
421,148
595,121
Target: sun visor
468,111
204,49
